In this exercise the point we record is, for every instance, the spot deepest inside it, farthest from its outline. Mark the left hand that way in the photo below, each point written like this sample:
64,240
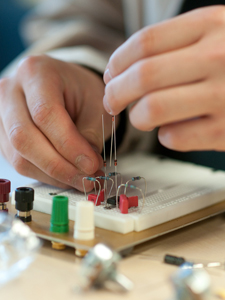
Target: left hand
174,74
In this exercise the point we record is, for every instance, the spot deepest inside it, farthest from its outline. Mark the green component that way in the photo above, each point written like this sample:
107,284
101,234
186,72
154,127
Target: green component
59,218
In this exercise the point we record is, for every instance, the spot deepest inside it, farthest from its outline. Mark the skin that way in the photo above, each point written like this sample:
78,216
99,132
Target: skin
51,123
174,80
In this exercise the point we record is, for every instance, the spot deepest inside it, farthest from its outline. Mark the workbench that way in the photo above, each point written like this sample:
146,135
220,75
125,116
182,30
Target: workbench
54,274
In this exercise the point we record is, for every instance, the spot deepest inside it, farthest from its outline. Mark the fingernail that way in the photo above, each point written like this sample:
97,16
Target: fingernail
107,76
106,104
84,163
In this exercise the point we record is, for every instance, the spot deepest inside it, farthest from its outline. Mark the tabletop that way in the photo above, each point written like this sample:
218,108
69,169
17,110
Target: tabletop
54,274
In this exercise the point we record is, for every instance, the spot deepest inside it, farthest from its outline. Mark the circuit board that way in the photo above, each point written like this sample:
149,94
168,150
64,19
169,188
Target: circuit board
174,189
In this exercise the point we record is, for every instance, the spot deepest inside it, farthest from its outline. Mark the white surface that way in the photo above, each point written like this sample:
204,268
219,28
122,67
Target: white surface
174,189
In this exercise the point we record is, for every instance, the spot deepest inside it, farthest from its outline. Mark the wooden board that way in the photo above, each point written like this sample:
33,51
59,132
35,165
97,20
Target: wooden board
41,223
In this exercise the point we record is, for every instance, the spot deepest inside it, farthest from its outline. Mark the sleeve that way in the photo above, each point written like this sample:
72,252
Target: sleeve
84,32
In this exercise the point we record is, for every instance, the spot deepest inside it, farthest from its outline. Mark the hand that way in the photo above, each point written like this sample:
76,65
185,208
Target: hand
51,121
174,75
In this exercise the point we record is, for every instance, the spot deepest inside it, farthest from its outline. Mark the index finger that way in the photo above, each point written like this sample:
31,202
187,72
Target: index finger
170,35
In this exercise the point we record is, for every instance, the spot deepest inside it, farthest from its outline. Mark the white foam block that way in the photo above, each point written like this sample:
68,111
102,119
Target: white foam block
174,189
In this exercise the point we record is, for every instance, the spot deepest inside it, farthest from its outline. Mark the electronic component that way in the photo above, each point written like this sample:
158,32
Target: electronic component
5,188
59,222
99,269
112,200
174,260
127,202
134,179
174,189
178,261
113,137
84,228
114,174
59,218
24,198
84,225
191,284
106,179
95,198
104,159
58,193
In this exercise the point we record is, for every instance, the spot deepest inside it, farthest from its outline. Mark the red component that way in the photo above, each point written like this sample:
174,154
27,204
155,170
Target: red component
133,201
127,202
102,195
123,204
93,198
5,188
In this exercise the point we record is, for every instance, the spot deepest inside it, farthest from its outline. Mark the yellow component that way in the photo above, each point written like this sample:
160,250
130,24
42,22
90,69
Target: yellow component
58,246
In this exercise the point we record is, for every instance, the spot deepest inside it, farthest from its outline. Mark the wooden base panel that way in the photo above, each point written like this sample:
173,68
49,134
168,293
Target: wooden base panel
41,222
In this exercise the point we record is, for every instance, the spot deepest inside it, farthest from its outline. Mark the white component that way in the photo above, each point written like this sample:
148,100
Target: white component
174,189
84,228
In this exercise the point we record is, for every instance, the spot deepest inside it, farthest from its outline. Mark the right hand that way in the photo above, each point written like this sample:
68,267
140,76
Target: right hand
51,121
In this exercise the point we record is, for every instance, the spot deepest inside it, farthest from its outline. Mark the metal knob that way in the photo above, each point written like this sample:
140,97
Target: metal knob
99,269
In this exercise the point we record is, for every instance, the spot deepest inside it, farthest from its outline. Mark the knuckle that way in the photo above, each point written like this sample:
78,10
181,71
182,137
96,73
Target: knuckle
145,77
141,75
216,15
53,168
19,164
30,64
42,113
64,145
215,55
3,84
145,41
18,137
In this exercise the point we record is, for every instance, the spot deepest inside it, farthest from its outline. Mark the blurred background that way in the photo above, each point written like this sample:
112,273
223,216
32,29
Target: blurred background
11,13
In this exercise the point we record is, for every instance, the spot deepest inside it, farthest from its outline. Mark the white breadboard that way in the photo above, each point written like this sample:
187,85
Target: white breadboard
174,189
